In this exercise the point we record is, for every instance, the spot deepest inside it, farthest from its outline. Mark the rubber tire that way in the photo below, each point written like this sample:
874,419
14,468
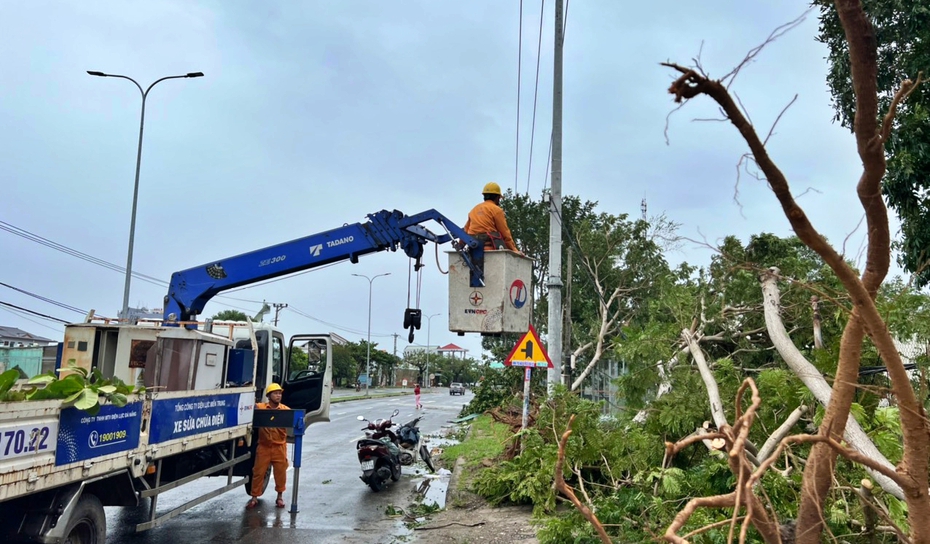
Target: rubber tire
427,458
376,484
248,484
88,523
395,474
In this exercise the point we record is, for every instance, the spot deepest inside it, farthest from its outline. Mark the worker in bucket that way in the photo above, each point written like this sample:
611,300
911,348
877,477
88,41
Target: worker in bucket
486,221
271,450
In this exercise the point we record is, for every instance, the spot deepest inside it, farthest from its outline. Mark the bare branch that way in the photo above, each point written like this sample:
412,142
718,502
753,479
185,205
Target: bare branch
564,488
907,87
768,448
754,52
777,119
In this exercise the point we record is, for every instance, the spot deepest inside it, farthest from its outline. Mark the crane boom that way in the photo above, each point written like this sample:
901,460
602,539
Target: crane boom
191,289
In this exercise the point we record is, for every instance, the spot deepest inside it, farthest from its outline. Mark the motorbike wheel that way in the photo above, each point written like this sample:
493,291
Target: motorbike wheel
376,484
395,472
427,458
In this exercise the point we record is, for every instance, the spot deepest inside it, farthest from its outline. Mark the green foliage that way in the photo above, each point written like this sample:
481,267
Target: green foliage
297,360
230,315
636,491
7,380
78,388
496,387
901,32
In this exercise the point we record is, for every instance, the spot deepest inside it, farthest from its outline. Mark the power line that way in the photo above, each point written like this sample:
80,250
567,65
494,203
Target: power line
529,170
516,167
13,229
74,253
44,299
33,313
21,316
333,325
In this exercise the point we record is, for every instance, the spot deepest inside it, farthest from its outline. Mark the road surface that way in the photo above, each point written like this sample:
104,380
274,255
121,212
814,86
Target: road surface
334,505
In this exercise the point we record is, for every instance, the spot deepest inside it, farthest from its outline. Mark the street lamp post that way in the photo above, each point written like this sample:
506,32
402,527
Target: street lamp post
135,191
429,326
368,346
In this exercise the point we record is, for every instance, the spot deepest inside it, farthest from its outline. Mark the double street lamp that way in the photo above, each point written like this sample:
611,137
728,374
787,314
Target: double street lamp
429,326
135,192
368,355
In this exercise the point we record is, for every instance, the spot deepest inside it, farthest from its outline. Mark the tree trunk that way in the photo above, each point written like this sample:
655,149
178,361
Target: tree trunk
811,378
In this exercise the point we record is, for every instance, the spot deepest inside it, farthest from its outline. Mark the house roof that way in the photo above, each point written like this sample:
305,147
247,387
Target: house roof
451,347
12,333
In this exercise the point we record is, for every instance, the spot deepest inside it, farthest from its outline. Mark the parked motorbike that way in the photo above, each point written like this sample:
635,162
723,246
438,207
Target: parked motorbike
382,452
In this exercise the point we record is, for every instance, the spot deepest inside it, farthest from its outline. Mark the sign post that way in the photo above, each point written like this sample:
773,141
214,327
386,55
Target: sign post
528,353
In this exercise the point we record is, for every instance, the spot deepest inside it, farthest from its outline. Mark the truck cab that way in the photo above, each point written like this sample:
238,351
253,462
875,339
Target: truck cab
213,356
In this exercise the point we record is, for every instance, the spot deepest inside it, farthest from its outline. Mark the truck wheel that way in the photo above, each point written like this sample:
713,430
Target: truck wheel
88,524
248,485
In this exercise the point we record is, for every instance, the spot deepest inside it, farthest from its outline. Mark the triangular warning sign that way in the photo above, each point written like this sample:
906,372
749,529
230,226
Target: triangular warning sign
529,351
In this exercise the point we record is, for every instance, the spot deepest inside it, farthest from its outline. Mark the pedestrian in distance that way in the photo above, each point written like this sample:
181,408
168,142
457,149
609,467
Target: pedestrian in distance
271,450
416,395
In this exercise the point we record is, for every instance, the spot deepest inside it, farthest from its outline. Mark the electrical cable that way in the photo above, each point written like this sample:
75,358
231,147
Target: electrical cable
75,253
48,300
333,325
32,312
13,229
529,169
21,316
516,170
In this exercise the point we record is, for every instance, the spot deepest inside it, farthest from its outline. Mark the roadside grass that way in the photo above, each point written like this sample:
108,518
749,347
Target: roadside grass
483,443
485,439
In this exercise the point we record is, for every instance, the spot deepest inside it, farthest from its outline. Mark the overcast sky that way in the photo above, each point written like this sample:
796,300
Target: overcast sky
313,114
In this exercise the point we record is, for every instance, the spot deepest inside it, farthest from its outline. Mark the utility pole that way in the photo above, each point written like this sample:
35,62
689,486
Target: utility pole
554,374
567,368
394,367
278,306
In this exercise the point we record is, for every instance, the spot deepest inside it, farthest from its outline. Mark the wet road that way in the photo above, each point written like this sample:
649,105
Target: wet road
334,505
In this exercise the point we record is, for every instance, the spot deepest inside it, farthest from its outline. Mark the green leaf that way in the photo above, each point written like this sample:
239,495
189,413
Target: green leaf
7,379
118,400
65,388
106,389
73,398
40,394
87,401
73,368
41,378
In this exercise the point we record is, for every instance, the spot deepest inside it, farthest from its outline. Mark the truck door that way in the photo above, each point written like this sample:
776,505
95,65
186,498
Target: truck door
308,376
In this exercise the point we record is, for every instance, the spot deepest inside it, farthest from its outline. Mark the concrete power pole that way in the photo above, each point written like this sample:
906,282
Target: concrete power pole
394,366
554,375
278,306
568,365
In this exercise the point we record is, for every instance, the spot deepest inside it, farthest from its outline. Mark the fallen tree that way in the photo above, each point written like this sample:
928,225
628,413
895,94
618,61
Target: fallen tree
871,137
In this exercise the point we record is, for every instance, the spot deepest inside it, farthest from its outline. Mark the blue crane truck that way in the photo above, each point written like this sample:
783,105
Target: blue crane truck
59,466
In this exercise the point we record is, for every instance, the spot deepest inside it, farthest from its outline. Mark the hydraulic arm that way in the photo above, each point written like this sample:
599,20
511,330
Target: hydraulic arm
191,289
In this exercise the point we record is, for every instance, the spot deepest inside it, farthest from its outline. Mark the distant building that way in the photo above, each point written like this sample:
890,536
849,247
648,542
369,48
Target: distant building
414,348
452,349
13,337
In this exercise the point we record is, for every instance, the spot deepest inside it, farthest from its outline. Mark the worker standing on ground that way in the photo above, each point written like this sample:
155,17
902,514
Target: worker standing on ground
486,221
271,450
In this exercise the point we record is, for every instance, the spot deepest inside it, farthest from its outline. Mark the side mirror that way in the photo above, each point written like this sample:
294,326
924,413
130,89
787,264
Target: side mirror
395,412
360,418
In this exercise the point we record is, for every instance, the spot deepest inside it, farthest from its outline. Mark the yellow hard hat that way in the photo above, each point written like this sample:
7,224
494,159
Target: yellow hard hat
491,189
272,388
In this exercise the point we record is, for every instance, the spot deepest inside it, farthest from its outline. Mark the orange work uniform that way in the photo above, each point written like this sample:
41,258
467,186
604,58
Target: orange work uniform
489,217
271,450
